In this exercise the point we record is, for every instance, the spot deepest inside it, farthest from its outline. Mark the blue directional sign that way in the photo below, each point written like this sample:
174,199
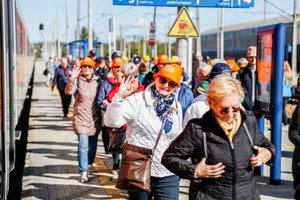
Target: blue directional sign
188,3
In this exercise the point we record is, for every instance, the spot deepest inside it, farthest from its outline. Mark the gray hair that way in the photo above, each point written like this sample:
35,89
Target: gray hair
203,67
129,69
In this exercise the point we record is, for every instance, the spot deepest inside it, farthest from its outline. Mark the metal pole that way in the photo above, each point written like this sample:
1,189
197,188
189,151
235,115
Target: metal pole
109,45
276,101
67,26
182,49
294,53
114,33
90,24
218,34
58,40
78,20
221,35
198,40
152,46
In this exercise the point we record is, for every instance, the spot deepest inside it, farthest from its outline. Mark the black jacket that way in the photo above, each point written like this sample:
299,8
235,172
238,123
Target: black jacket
237,181
246,81
294,136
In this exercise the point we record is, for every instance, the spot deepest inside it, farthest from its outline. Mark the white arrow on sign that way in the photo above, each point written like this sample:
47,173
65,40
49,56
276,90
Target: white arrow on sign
248,1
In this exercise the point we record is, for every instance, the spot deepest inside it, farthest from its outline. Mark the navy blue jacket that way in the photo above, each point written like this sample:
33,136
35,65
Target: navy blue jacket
61,77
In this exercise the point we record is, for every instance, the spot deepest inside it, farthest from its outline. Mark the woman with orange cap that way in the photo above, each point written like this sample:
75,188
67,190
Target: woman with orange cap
143,113
87,115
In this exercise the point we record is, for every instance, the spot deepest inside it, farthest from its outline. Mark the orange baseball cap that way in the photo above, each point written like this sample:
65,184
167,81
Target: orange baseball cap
170,71
88,61
117,62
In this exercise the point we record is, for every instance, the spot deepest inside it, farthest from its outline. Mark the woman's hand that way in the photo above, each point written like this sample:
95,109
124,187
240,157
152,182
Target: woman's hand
262,157
209,171
126,88
105,102
75,72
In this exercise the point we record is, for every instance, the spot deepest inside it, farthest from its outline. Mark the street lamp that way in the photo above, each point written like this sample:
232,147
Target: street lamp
45,55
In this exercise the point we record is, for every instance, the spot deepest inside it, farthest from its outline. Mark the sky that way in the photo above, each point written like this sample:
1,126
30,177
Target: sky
132,21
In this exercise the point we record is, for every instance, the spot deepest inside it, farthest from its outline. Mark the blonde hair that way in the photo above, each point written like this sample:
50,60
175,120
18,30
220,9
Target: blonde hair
288,73
242,60
224,86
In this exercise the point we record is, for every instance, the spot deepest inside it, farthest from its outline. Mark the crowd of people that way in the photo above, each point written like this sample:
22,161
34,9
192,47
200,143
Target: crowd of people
210,135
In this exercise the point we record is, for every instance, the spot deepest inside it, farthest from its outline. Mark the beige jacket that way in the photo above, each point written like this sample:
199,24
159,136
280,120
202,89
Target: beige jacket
86,115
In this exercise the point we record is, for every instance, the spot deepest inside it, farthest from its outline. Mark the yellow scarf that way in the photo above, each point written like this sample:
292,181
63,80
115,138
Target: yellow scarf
231,128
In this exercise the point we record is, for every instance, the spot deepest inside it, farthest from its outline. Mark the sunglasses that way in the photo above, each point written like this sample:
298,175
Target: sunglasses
87,67
163,81
117,67
227,110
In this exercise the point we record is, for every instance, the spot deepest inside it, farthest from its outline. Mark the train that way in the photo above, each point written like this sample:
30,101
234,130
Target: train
17,65
238,37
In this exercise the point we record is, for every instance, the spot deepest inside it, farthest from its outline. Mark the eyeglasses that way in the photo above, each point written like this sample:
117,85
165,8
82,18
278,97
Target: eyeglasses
227,110
163,81
87,67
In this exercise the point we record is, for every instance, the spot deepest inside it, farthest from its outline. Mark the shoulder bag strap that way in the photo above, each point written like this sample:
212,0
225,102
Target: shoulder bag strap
248,134
162,126
160,133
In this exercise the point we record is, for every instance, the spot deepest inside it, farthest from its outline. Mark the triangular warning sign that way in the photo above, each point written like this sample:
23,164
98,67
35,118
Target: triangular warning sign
183,26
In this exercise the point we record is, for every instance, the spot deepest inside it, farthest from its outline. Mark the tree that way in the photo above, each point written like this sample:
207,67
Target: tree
84,34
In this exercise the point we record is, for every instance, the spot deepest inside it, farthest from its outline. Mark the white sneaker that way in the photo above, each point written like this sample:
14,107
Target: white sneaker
115,174
91,170
84,177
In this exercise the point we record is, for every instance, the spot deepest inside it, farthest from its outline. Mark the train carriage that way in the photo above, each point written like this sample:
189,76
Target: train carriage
16,66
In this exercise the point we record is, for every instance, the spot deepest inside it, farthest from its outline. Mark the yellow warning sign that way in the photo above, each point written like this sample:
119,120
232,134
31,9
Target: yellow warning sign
183,26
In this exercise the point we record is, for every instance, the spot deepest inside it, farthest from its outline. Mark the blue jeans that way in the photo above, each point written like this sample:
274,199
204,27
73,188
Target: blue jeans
165,188
87,147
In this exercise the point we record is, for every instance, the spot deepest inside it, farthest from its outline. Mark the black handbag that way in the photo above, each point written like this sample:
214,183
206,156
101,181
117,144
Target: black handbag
45,73
117,141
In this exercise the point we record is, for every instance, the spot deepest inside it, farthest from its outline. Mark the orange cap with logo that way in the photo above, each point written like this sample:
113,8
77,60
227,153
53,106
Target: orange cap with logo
117,62
172,72
88,61
163,59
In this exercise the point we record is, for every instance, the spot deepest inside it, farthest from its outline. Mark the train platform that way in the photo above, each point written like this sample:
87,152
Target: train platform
51,167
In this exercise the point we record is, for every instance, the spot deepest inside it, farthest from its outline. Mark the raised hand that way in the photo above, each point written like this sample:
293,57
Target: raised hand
209,171
75,72
126,88
262,157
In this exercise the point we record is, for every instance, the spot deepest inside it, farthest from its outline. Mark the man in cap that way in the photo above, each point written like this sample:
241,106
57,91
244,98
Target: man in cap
248,78
92,54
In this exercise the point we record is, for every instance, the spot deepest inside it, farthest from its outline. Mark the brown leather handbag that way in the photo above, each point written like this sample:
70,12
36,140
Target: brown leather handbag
135,170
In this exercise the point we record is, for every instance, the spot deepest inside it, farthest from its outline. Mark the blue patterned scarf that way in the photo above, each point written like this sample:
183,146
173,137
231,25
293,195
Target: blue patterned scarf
163,104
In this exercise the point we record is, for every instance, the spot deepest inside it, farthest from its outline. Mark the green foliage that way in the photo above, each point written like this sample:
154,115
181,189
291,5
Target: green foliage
85,33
